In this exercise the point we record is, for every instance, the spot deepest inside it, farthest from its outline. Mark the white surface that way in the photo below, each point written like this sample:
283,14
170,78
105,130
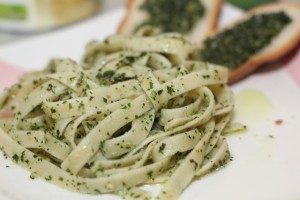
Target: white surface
262,169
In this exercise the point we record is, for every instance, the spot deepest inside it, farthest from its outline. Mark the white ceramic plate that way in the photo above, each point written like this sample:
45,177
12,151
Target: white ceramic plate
266,158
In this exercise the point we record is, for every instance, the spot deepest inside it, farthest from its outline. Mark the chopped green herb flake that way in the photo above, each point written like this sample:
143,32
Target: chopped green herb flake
53,110
15,158
162,147
170,89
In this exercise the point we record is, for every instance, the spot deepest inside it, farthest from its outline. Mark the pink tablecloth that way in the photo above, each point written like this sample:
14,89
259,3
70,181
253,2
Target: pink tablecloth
9,74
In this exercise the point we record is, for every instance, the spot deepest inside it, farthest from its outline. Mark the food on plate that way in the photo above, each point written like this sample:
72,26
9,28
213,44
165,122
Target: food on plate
136,111
261,35
194,18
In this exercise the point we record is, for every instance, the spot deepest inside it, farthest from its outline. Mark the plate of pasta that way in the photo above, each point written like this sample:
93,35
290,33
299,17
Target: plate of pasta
112,117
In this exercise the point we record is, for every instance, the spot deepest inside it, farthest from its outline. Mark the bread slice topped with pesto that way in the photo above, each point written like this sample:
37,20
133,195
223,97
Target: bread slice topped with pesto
195,19
262,35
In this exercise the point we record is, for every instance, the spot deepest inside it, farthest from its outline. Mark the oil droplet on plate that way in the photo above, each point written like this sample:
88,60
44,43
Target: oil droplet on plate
252,107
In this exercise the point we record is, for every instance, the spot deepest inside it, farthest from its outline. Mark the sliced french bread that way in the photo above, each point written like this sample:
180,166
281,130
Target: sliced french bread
203,27
285,41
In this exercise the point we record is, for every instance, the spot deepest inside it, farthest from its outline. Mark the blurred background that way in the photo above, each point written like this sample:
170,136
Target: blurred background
23,18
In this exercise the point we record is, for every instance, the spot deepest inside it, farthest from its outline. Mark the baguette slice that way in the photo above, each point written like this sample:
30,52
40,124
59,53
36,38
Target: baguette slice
205,26
287,40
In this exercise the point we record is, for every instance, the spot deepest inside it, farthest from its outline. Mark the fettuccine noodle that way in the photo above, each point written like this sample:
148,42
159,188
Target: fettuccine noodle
136,111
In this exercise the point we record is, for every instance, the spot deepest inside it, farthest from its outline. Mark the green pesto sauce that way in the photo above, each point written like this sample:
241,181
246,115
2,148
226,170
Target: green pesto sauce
110,77
173,16
234,46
